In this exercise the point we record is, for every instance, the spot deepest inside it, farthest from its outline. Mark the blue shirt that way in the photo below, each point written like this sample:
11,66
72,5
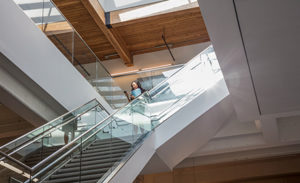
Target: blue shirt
136,92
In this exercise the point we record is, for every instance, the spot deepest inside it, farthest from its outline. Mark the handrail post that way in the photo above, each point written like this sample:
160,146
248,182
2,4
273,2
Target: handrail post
30,176
80,160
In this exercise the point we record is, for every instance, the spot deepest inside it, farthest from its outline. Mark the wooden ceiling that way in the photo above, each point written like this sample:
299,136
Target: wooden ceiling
123,39
180,28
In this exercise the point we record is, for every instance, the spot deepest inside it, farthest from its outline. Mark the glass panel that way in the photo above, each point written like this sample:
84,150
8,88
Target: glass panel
56,27
82,56
58,30
106,86
40,149
27,138
149,79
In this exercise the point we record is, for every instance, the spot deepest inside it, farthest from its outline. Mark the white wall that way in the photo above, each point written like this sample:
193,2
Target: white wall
24,97
112,5
34,54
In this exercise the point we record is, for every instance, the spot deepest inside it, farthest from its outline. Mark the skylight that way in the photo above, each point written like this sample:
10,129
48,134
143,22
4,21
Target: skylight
152,9
113,5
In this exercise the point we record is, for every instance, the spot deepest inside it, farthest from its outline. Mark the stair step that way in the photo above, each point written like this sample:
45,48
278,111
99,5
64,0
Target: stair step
77,173
107,141
107,145
76,178
86,167
77,159
87,163
108,148
39,155
86,181
87,151
103,153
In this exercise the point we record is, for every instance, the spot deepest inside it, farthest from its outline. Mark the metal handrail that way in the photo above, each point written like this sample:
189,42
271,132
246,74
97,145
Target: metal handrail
52,129
130,154
71,150
9,143
14,179
34,168
16,161
73,141
67,146
95,126
98,124
172,75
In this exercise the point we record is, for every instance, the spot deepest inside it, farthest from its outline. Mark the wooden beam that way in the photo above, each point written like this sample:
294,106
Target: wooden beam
98,14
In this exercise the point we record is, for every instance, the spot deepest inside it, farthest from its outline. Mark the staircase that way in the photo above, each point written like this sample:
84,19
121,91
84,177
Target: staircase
93,163
40,154
159,121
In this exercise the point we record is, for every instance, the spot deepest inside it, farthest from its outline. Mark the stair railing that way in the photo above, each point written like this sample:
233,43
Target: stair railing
105,123
49,124
40,136
78,142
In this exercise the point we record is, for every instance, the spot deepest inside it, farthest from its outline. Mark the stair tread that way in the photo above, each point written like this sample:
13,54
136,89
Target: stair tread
105,149
76,178
71,164
83,172
108,144
103,153
77,159
72,169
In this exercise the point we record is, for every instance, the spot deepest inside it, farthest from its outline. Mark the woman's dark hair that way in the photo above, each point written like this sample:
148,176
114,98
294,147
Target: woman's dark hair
139,86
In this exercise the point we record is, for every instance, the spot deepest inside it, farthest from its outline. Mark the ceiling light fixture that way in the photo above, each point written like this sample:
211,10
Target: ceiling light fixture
155,67
124,73
145,70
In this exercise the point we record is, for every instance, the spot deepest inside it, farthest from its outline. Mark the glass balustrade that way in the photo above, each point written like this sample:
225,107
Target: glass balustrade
51,137
60,32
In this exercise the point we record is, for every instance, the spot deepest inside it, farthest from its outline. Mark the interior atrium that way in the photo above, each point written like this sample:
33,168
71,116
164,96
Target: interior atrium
149,91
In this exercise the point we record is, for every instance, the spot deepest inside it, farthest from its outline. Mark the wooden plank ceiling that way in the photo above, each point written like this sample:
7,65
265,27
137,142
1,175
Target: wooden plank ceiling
181,28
